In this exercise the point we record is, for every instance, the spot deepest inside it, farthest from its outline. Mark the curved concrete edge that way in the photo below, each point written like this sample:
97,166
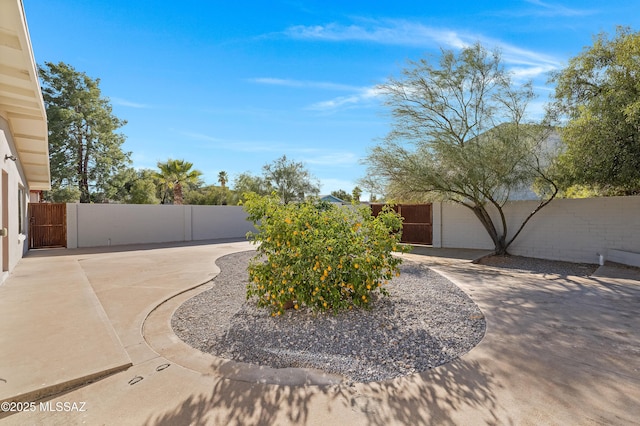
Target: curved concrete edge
159,335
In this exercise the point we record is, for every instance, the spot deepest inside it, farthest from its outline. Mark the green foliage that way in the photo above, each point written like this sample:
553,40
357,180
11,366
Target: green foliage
291,180
318,255
85,150
223,178
142,192
342,194
173,176
580,191
599,94
142,188
246,183
62,195
470,141
356,193
212,195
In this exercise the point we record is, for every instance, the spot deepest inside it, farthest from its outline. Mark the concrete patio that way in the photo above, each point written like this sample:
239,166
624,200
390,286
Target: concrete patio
91,327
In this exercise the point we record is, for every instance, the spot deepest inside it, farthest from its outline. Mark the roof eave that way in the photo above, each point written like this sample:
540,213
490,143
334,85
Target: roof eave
21,102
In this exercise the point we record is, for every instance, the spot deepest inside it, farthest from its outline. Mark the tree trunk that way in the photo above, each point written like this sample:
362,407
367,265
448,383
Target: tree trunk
501,247
177,194
499,239
83,179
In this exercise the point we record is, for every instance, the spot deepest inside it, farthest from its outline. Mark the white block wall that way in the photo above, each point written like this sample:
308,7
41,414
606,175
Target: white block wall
574,230
96,225
212,222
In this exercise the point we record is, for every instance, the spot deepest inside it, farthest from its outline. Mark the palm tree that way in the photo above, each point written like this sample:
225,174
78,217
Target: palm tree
223,178
174,174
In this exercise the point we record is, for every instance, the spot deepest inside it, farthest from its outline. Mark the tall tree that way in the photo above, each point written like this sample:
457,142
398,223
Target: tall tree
175,174
246,182
470,143
223,178
356,193
135,187
85,150
290,179
142,189
599,94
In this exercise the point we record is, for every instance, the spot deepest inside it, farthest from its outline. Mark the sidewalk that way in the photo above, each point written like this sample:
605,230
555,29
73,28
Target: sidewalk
54,334
54,331
558,350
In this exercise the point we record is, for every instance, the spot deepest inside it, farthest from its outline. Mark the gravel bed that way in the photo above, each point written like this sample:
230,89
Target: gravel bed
425,322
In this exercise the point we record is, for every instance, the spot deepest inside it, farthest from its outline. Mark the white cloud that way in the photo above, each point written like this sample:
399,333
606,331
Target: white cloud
201,136
247,146
334,103
303,84
406,33
126,103
554,9
524,74
364,95
360,94
395,32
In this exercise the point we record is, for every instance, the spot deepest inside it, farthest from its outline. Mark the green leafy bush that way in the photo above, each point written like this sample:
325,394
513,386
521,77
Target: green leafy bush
319,255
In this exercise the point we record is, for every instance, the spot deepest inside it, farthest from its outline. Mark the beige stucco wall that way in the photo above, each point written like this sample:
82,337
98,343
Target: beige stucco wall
96,225
571,230
212,222
16,241
574,230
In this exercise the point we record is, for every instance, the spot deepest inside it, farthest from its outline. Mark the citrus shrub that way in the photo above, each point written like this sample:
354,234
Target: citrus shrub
320,255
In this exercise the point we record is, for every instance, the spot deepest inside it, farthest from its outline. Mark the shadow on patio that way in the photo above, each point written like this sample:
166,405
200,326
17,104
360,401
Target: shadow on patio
429,398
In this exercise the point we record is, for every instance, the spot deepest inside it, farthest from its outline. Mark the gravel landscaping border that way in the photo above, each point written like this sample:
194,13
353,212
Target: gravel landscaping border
425,322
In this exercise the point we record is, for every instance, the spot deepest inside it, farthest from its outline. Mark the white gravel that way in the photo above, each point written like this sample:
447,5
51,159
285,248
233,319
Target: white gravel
425,322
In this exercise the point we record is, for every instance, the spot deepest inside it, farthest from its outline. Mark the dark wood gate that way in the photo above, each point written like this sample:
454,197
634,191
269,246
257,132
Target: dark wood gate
417,227
47,225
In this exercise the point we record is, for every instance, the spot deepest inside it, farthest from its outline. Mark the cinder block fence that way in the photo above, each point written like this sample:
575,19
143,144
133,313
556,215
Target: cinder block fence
576,230
96,225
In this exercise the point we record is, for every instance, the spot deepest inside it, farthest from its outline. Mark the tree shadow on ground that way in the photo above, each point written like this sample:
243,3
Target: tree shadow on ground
558,349
572,340
432,397
547,268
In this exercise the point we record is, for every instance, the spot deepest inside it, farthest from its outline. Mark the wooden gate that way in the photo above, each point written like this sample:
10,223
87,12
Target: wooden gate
417,227
47,225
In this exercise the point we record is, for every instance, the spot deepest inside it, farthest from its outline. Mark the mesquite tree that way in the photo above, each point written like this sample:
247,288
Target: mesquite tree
459,133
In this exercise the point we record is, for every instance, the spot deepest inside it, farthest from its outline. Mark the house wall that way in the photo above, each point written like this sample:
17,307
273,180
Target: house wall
96,225
574,230
11,180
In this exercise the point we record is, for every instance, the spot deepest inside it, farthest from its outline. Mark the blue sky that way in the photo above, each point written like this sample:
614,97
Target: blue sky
233,85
